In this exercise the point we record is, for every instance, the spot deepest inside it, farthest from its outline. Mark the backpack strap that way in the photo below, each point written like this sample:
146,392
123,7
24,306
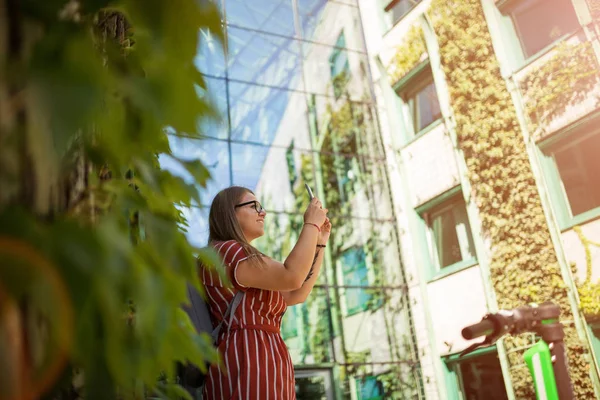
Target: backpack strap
230,312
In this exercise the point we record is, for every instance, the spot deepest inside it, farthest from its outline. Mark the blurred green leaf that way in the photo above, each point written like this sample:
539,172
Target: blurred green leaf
105,90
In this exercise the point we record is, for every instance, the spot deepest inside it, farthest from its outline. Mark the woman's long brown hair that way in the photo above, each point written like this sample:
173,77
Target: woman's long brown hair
223,224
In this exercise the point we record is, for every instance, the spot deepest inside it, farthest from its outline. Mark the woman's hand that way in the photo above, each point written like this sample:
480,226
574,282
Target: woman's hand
314,213
325,232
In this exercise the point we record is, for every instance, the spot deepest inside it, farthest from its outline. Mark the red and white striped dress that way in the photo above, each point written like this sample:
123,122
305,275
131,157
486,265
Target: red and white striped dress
256,361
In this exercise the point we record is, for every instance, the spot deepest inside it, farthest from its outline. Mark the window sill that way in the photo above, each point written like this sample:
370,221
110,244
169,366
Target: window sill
581,219
424,131
454,268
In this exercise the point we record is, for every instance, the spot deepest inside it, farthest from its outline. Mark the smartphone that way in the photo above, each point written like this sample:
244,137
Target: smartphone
310,192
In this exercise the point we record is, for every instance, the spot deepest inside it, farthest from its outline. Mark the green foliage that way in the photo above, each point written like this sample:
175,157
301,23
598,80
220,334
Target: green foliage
91,89
567,78
408,55
523,267
589,292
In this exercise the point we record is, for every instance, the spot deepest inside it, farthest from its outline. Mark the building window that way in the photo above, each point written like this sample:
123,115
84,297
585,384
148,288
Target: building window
574,163
369,388
540,23
449,235
354,269
339,66
421,100
478,377
397,9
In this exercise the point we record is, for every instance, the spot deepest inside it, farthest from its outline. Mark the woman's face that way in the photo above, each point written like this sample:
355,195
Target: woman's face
250,216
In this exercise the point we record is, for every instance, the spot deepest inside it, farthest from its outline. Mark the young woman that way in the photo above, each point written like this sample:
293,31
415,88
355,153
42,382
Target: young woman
256,362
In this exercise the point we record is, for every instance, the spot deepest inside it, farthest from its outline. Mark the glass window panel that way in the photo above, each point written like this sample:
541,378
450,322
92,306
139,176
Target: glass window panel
263,59
451,233
322,21
318,65
400,379
314,384
197,225
543,23
354,269
482,378
267,115
265,171
214,155
428,107
314,342
281,233
578,166
400,9
216,92
210,56
446,239
380,336
369,388
273,16
247,163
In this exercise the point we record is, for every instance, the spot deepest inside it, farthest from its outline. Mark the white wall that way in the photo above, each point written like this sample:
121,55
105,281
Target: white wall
455,302
430,165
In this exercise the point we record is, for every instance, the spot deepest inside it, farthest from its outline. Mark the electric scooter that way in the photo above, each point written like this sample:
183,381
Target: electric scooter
546,360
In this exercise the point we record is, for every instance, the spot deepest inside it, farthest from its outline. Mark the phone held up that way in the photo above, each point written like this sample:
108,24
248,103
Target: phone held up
310,192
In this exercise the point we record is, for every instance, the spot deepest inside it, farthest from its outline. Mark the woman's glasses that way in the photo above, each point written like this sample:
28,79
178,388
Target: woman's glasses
255,204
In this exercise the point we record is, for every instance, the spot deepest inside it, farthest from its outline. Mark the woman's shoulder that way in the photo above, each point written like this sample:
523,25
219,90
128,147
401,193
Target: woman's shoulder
229,250
224,245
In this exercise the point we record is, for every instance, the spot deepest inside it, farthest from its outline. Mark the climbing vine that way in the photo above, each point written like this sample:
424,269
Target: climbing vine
523,266
567,78
408,55
589,292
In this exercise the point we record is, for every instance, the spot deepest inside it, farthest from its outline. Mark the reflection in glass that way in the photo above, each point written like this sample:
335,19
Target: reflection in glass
267,115
339,16
210,58
215,128
313,343
263,59
324,65
273,16
247,163
354,269
537,32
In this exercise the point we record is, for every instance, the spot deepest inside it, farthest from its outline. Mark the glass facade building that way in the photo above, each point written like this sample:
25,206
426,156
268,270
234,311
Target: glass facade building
293,85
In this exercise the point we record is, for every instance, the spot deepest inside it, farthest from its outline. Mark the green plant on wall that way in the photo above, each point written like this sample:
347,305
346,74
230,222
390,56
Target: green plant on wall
348,131
589,292
567,78
408,55
523,266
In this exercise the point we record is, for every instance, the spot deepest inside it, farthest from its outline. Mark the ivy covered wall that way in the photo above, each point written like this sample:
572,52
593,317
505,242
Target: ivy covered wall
524,266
